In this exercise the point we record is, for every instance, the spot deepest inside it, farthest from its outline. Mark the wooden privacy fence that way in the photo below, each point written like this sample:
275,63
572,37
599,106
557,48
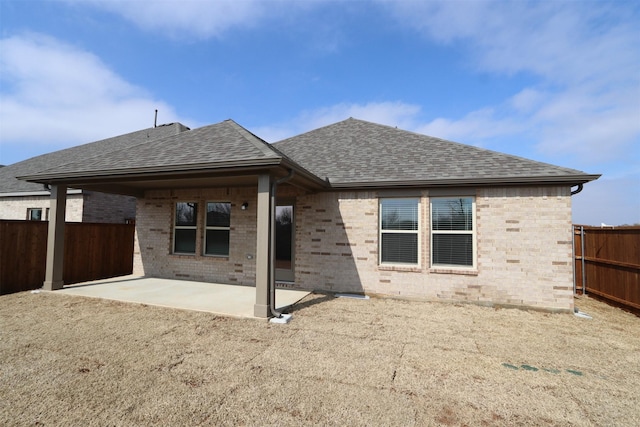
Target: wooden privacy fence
607,263
91,252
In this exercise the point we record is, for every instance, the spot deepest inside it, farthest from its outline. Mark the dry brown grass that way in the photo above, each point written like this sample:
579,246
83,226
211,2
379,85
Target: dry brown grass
68,360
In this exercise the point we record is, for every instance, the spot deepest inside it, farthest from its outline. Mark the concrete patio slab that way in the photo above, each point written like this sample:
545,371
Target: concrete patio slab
226,300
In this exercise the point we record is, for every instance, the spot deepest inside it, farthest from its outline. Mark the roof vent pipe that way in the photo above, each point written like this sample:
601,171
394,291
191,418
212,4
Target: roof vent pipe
155,120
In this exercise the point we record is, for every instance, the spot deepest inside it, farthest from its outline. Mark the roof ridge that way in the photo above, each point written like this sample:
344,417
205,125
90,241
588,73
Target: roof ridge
317,129
254,139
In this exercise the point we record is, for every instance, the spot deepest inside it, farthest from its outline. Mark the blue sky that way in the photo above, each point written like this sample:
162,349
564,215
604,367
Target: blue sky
554,81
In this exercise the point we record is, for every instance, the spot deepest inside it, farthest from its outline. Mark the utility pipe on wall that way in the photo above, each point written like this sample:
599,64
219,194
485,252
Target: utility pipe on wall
584,273
573,248
573,256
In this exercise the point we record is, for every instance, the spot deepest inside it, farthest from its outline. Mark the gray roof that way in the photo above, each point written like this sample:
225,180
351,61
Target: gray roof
223,143
10,184
349,154
355,153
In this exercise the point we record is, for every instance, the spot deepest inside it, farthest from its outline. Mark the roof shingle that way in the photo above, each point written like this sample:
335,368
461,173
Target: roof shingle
214,144
10,184
353,152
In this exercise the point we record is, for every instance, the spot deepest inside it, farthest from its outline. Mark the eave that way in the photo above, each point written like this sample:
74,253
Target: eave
36,193
570,180
135,181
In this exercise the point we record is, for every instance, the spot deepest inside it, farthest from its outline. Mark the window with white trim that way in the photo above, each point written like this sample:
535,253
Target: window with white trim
453,238
217,229
185,228
34,214
399,231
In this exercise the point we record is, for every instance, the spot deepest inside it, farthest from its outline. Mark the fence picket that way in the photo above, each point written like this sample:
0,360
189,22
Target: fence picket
607,262
92,251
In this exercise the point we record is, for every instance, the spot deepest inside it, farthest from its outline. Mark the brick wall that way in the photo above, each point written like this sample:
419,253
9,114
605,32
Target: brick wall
16,207
523,246
523,249
86,207
154,237
108,208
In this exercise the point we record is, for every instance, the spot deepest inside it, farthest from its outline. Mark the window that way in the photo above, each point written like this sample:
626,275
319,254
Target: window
34,214
452,232
399,231
216,240
184,233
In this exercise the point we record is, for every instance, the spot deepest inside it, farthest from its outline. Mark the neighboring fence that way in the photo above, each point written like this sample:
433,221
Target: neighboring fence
91,251
607,263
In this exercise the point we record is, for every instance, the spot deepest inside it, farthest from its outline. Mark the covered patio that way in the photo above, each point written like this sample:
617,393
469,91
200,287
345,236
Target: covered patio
220,157
216,298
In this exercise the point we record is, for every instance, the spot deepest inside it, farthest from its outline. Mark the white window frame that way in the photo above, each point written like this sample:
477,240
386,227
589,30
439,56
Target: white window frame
184,227
417,232
29,210
211,227
473,232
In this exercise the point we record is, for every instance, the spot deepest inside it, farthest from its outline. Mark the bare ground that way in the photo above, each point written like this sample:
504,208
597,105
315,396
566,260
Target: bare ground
67,360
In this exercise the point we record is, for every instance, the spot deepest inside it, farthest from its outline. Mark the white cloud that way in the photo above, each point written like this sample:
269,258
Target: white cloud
584,56
613,201
56,95
199,18
474,128
527,100
397,114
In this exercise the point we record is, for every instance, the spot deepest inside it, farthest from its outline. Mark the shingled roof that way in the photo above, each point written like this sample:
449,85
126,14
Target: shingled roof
356,153
225,143
348,154
9,184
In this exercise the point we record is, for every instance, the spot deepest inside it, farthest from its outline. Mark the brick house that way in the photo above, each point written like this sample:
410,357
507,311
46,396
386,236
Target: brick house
351,207
27,200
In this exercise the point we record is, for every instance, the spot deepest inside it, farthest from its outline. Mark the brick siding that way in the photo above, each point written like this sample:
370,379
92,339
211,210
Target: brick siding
86,207
16,207
154,237
523,246
110,208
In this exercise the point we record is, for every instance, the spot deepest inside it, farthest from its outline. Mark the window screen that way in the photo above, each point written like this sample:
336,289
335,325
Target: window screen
185,228
399,231
452,231
34,214
217,229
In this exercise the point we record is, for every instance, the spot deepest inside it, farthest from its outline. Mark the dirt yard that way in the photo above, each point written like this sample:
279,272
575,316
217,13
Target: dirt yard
68,360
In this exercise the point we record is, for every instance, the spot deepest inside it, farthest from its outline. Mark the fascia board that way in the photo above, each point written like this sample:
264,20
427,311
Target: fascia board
151,171
304,172
37,193
565,180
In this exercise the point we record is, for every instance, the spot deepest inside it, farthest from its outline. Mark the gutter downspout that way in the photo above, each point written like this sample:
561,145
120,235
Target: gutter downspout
573,256
573,239
272,243
584,273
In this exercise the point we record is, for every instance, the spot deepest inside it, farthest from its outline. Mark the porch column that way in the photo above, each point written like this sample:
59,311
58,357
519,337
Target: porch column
261,307
55,242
